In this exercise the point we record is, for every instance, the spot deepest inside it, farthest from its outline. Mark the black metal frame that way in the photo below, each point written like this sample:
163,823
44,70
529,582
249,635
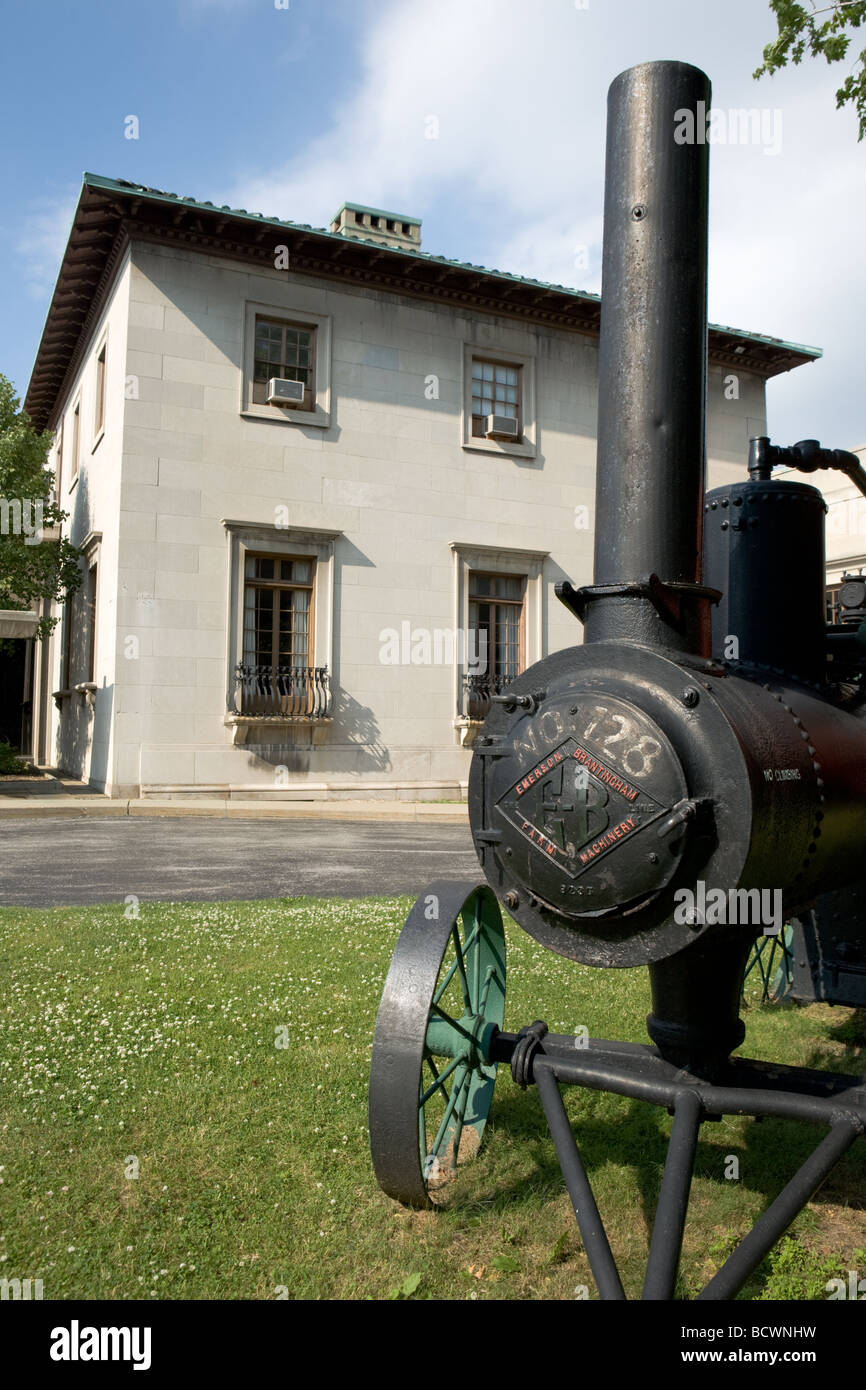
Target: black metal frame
640,1072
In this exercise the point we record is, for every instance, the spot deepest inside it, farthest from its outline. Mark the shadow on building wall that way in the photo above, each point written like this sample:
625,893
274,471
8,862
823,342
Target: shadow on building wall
348,744
82,740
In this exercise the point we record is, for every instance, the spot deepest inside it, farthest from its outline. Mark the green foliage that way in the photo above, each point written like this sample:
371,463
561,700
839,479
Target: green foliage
9,759
794,1272
407,1288
557,1251
802,30
28,571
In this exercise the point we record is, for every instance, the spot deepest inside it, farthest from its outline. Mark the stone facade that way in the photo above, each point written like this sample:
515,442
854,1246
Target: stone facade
384,488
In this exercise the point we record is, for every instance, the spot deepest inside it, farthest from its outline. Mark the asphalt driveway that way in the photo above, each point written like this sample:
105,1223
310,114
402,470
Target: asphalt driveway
50,861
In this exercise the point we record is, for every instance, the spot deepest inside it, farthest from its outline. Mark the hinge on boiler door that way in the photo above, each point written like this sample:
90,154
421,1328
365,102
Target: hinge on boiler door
687,809
489,747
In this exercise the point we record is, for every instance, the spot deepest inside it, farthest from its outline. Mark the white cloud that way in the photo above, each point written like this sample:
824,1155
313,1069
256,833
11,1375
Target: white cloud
500,98
514,179
42,241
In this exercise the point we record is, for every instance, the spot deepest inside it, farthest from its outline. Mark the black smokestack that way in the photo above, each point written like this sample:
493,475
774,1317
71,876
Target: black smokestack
653,356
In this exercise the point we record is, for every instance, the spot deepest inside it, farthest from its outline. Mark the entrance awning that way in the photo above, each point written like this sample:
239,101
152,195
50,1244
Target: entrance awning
14,624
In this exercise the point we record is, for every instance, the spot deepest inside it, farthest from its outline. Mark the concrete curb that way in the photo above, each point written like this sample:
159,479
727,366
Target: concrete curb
415,812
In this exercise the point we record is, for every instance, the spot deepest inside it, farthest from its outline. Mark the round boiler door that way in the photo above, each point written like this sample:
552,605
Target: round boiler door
580,798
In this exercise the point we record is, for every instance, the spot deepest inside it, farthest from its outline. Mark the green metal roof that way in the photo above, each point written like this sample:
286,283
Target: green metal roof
771,342
123,185
158,195
94,242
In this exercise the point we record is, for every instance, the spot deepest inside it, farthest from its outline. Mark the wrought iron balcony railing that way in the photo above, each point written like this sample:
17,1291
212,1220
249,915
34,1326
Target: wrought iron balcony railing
479,689
282,692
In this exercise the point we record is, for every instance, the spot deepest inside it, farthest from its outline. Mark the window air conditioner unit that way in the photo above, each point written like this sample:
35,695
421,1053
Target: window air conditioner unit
501,427
281,391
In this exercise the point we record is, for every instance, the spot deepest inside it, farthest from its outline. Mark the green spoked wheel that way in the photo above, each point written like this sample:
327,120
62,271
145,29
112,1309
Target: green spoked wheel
431,1073
772,962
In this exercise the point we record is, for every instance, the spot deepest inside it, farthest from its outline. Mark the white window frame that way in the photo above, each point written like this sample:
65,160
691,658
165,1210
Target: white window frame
58,461
526,445
249,537
75,610
529,564
76,410
320,415
99,426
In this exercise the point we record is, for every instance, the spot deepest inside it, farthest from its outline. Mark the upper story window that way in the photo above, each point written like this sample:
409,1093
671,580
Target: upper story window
76,439
499,401
495,391
99,405
58,466
287,351
292,347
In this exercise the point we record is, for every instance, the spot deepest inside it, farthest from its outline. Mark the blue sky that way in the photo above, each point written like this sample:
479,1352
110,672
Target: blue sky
292,110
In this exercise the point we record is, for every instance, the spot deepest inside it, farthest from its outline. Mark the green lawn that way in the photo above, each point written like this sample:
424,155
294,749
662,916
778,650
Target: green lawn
154,1040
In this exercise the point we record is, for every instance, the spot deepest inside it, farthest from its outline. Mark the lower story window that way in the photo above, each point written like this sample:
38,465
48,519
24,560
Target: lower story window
277,676
92,575
278,603
497,629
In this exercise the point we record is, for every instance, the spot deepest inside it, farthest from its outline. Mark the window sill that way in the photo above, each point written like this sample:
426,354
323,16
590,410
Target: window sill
320,419
525,449
241,724
73,481
97,441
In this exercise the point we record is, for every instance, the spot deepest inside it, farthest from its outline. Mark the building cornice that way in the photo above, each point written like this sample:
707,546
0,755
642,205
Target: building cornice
111,214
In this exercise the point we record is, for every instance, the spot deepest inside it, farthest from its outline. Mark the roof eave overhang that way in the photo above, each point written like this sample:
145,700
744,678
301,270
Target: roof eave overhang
109,215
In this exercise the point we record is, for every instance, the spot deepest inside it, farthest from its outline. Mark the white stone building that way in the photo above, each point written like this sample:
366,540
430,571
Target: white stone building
284,599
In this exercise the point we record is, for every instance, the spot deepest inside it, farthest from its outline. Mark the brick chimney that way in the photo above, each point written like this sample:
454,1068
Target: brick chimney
394,229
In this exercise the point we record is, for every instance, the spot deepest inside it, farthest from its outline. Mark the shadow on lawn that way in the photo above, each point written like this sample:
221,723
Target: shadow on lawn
769,1154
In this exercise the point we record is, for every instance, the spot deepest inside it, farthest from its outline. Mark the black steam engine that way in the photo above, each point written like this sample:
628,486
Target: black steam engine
688,779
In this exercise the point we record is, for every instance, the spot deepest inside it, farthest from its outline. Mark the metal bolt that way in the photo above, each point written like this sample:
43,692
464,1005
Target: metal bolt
653,858
638,212
512,900
690,697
